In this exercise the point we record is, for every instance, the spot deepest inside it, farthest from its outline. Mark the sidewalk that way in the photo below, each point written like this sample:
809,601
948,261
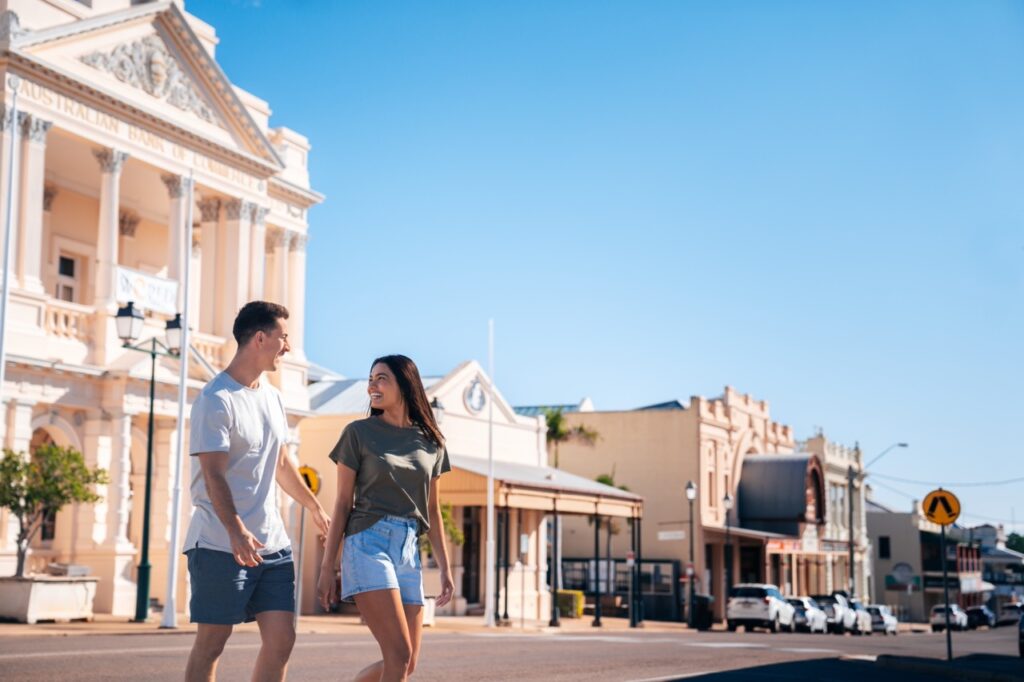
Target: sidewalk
329,624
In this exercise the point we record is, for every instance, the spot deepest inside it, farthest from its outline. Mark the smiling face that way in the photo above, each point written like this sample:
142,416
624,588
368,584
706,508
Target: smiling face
272,345
383,389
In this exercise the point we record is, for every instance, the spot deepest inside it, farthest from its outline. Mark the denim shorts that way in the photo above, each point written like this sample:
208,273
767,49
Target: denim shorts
226,593
385,556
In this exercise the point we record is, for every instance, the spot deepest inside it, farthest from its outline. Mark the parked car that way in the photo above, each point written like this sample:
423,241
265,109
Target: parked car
840,617
863,624
758,605
957,618
809,616
1009,614
882,619
980,615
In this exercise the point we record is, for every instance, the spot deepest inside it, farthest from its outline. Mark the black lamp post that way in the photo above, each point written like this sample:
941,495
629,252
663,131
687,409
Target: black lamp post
129,327
727,504
691,495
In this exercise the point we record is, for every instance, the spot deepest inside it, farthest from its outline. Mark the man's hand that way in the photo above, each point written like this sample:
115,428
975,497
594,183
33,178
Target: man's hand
327,587
244,547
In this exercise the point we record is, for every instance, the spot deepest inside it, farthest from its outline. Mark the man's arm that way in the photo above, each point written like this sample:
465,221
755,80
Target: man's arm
244,544
290,480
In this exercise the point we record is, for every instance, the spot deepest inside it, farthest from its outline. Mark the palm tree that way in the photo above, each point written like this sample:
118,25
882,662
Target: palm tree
560,432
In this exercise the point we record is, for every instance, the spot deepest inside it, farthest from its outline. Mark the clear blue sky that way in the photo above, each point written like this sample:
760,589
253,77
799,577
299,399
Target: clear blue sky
817,203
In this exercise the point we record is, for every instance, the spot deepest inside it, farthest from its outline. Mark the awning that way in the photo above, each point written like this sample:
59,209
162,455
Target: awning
974,585
525,486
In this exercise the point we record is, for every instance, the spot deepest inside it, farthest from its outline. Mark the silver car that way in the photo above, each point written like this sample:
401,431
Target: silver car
809,617
758,605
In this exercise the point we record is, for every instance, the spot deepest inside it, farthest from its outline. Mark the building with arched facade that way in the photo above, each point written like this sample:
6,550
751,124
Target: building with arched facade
728,446
122,117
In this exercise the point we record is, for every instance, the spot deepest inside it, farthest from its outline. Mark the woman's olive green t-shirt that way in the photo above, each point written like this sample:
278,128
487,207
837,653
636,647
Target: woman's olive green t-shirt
394,467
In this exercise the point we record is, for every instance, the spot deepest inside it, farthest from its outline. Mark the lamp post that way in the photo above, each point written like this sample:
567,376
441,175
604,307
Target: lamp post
851,476
691,495
129,327
727,503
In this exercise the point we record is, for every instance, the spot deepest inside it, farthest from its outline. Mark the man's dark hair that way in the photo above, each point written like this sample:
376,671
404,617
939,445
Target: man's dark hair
257,316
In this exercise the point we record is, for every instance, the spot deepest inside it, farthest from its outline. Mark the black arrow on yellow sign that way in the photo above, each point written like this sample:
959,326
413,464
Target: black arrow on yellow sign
936,501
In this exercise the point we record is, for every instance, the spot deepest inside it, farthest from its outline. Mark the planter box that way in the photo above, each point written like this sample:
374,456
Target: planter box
28,600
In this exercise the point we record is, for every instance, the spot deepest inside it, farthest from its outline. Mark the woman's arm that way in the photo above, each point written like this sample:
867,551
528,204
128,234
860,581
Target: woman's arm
327,587
438,545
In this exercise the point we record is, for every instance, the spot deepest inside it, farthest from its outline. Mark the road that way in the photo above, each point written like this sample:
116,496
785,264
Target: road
503,655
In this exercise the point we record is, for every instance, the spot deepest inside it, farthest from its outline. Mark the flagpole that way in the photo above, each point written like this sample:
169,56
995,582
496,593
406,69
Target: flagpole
13,123
490,574
170,615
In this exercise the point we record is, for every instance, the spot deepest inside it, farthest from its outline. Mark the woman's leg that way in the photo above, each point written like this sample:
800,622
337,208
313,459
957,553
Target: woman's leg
382,610
414,621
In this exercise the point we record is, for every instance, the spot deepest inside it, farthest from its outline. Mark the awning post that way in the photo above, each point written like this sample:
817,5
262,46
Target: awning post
597,572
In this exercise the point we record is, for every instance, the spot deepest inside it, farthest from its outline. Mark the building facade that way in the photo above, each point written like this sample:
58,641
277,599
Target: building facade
115,115
716,443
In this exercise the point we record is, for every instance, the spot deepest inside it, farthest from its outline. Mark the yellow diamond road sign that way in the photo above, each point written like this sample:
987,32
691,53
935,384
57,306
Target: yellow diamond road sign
941,507
311,477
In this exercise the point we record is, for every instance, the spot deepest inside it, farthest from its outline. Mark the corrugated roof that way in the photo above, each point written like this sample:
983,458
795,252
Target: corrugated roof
537,410
668,405
773,492
540,477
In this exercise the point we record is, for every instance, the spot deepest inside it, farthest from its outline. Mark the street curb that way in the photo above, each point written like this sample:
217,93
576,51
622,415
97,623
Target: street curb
946,669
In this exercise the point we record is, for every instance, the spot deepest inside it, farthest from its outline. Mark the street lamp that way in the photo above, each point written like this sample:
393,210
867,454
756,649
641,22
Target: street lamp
438,409
727,503
691,495
129,322
851,476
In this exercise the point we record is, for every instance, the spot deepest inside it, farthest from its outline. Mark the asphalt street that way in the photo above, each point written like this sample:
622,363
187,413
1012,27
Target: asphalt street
506,655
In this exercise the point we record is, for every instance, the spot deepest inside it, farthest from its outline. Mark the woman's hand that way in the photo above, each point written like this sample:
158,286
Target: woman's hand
447,589
327,587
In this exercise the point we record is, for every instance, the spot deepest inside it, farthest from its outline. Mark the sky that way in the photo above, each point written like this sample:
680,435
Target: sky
819,204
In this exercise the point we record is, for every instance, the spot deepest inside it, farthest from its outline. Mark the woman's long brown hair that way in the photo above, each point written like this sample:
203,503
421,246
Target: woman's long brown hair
415,396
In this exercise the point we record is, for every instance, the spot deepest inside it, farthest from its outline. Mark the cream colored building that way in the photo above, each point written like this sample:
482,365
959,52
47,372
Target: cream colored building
120,106
726,445
527,492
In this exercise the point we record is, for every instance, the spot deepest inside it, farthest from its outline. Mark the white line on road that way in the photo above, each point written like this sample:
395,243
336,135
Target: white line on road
162,650
679,676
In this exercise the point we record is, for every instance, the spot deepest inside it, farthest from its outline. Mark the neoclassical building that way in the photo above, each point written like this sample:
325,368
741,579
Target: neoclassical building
116,114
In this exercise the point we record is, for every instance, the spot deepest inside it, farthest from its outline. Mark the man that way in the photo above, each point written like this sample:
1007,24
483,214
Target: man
239,556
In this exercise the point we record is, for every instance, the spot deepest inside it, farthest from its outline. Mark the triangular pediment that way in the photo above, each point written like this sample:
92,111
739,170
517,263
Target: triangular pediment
149,59
463,391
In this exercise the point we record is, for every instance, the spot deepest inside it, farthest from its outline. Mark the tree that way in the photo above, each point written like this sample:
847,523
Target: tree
560,432
609,480
48,480
1015,542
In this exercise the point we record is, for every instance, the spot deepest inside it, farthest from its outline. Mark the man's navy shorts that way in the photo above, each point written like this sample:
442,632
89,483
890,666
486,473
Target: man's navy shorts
225,593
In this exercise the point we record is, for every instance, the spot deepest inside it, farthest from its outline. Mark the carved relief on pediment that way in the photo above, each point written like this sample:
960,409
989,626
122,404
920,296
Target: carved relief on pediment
148,65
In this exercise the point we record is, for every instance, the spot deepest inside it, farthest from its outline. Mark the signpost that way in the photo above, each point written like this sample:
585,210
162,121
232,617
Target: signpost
312,481
942,507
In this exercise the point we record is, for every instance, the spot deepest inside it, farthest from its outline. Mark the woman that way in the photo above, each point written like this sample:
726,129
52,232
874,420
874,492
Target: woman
388,466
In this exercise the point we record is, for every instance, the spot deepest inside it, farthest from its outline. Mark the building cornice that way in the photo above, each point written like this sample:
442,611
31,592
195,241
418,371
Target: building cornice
283,189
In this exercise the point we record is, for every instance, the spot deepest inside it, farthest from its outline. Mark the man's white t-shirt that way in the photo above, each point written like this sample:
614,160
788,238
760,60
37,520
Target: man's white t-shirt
250,425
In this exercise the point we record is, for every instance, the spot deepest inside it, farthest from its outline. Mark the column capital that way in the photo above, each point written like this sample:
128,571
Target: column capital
6,117
237,209
128,222
259,214
298,241
110,160
33,128
278,238
177,185
49,194
209,208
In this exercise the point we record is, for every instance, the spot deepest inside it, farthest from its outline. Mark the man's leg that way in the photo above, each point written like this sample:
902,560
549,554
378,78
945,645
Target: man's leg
206,651
277,636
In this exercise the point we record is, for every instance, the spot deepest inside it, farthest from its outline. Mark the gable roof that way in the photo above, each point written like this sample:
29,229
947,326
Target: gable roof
773,492
27,49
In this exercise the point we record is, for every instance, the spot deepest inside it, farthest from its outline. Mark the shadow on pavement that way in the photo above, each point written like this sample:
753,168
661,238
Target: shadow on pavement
832,669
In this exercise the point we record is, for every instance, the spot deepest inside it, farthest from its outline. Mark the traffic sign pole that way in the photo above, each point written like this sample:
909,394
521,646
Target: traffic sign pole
298,568
945,589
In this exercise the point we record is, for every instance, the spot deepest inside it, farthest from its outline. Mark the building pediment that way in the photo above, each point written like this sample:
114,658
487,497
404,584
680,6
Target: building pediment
150,62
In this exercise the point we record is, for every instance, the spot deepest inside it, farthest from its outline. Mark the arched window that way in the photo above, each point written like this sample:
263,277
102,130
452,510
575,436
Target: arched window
40,438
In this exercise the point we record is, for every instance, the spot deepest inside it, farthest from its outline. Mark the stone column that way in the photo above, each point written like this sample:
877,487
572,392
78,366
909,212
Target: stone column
178,191
127,225
280,242
209,225
257,253
297,293
7,148
234,261
195,292
30,226
111,161
49,195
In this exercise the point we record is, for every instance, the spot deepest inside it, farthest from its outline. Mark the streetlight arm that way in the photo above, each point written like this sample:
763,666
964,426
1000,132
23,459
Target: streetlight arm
885,452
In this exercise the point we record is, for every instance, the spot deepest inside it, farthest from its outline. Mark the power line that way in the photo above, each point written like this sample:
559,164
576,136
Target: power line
1007,522
976,483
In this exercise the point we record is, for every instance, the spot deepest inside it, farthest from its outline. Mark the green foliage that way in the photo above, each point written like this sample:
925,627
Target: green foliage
451,529
560,432
570,603
52,478
1015,542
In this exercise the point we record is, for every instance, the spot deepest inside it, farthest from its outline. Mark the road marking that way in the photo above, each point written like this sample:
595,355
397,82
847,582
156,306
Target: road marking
809,650
727,645
679,676
161,650
858,657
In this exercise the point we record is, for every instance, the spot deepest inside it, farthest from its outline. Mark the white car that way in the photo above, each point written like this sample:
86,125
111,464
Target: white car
809,616
957,618
758,605
863,625
882,619
840,616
